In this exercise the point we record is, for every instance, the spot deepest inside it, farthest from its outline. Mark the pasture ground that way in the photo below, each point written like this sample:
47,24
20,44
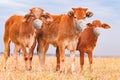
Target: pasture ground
103,69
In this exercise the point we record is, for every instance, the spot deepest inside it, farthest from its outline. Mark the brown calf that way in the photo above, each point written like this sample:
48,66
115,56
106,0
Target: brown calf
61,33
20,30
88,39
80,14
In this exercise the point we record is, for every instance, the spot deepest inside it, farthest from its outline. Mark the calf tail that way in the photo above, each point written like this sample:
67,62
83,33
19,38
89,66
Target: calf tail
6,41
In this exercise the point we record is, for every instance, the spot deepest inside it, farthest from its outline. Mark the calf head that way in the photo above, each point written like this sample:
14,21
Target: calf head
81,14
97,25
38,17
79,24
35,13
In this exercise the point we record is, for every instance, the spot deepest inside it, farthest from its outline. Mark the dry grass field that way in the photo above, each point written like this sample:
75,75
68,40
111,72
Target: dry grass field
103,69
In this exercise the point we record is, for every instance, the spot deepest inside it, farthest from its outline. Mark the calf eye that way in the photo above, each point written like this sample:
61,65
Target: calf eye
32,15
75,16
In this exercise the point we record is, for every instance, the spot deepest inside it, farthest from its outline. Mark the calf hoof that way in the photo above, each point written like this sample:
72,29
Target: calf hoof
73,72
5,67
15,68
62,71
81,72
28,69
42,69
57,68
91,70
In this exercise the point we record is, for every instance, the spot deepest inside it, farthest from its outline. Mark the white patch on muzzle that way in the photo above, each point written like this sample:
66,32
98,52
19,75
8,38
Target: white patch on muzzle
97,31
80,25
37,24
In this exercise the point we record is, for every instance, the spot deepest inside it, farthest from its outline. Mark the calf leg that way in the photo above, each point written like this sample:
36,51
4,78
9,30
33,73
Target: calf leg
90,60
16,50
58,59
81,60
25,55
41,50
31,51
72,55
62,58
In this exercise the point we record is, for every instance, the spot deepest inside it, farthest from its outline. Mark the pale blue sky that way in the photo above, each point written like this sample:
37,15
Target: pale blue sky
108,11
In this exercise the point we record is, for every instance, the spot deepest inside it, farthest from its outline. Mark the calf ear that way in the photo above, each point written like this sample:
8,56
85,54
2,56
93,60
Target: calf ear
71,13
27,18
89,14
73,9
47,18
106,26
89,24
